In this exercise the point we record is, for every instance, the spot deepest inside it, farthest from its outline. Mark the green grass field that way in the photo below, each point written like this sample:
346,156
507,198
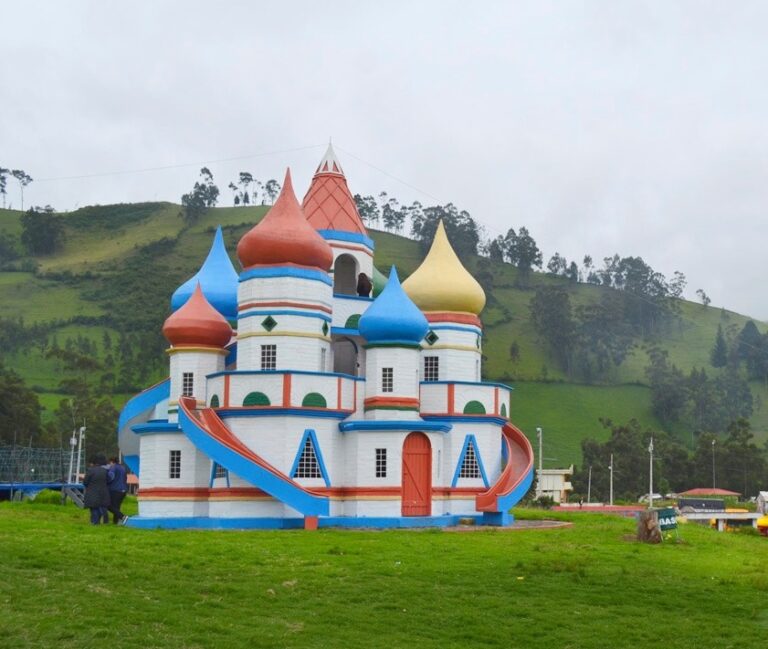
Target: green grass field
67,584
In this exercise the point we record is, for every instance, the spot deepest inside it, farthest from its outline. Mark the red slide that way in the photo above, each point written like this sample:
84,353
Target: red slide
515,479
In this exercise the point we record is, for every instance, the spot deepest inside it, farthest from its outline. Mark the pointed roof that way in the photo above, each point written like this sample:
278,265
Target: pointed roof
442,283
218,279
197,323
284,236
393,318
328,204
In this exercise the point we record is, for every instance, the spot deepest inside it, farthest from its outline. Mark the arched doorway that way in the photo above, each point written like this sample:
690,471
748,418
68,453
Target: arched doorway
417,476
345,275
345,356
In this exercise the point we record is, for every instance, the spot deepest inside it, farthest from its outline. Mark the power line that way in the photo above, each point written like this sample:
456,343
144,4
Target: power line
178,166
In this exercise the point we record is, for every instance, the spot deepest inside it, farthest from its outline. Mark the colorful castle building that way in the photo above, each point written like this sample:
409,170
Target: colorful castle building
292,401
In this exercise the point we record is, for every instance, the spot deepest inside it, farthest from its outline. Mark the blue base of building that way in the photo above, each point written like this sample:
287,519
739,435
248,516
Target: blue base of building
348,522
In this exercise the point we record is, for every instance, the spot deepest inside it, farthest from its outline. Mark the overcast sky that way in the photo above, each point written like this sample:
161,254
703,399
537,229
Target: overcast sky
630,127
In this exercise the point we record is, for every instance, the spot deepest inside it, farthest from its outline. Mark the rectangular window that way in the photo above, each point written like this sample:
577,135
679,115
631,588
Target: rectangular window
431,368
187,384
174,464
387,379
221,472
268,357
322,359
381,463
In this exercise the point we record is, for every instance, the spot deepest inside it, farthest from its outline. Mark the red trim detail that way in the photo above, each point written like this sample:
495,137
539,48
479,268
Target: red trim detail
448,316
225,493
496,401
451,398
409,402
338,393
286,390
333,244
310,522
298,305
226,390
287,264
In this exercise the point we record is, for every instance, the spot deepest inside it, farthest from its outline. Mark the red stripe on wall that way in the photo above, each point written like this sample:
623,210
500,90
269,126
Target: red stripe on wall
226,390
253,492
372,402
286,390
451,397
447,316
338,393
300,305
496,401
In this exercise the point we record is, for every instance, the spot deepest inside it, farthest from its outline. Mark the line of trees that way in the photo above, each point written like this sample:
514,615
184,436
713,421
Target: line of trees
740,464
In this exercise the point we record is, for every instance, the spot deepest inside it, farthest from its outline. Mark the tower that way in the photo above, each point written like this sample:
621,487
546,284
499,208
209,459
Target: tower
284,295
393,327
452,301
198,334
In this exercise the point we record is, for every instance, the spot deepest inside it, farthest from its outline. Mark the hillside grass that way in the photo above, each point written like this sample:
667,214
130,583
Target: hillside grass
67,584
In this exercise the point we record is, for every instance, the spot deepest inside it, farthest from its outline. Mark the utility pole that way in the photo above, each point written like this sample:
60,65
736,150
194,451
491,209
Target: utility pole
540,436
650,472
713,465
610,469
589,486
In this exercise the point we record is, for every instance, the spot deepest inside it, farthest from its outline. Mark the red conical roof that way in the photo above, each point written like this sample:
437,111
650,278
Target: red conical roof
284,236
328,204
197,323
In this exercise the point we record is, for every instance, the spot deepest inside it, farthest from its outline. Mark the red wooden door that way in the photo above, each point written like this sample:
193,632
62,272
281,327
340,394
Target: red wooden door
417,475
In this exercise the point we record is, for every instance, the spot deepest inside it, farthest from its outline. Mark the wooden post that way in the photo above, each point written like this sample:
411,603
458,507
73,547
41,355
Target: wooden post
648,527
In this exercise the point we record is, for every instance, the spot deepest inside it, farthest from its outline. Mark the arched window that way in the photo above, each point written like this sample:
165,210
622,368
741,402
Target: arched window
256,399
215,401
345,275
314,400
474,408
503,409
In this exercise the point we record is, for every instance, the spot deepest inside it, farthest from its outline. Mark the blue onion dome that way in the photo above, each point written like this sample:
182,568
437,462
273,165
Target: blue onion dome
393,318
217,278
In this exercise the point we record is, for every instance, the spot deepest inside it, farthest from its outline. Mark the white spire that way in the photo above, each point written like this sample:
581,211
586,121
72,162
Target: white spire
330,163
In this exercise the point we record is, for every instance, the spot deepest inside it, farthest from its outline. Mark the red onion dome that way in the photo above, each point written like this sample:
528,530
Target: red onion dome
284,237
197,323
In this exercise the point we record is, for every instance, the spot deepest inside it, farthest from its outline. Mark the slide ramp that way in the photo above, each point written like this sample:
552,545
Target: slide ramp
207,431
138,410
515,479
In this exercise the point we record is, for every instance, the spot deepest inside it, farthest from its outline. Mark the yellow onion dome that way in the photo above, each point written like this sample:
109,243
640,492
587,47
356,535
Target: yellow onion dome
442,283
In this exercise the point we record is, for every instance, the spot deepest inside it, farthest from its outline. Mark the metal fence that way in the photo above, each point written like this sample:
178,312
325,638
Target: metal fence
19,464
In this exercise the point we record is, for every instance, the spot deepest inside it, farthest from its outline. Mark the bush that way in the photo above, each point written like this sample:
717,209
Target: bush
544,502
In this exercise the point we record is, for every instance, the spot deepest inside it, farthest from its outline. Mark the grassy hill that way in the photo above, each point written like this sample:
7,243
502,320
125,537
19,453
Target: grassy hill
123,261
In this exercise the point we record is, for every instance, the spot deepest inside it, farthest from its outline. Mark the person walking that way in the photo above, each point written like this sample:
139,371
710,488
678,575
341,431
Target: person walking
96,491
118,487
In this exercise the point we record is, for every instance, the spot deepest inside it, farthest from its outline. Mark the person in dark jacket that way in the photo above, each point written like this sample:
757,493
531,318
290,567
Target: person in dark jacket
118,486
96,489
364,285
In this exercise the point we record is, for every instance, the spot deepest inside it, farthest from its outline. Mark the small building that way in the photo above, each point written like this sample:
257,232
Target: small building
555,483
762,502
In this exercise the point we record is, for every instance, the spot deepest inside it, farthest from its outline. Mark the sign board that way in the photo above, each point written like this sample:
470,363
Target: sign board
667,519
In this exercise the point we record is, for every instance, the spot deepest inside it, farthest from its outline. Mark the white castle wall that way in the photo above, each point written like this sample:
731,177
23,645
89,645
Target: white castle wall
345,306
200,363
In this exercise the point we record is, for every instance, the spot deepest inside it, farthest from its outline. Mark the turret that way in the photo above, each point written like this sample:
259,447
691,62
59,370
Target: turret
285,292
452,301
393,327
198,334
331,210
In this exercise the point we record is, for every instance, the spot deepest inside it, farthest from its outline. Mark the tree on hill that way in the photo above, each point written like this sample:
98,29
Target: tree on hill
203,196
42,231
19,409
23,178
368,209
392,214
719,354
271,189
703,297
552,318
4,183
669,390
461,228
557,265
522,252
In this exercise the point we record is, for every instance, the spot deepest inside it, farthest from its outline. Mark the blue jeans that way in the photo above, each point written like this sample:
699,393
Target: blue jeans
97,513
